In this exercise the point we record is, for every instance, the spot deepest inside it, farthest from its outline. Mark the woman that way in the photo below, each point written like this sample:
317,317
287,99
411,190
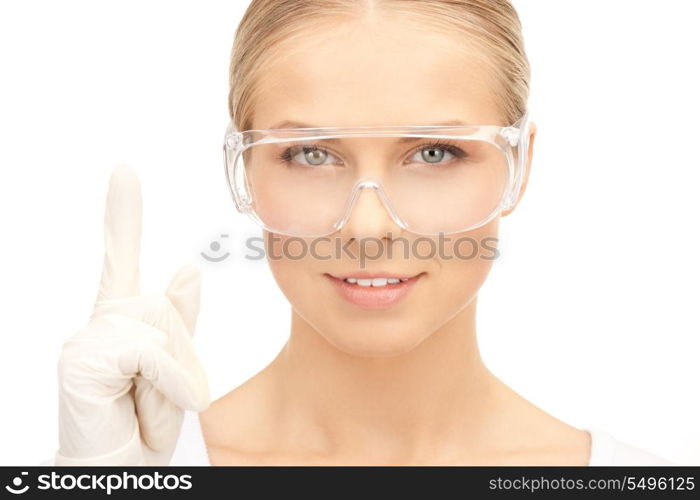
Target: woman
428,99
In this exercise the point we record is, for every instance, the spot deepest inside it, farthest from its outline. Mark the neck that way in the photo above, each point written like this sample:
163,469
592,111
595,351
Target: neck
406,401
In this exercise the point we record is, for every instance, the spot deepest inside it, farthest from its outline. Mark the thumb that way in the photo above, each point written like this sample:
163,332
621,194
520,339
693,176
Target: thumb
184,293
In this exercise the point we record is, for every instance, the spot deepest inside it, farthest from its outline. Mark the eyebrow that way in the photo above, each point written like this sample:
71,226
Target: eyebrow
297,124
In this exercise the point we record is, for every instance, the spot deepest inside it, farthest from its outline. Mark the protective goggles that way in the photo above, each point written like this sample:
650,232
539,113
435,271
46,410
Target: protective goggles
431,179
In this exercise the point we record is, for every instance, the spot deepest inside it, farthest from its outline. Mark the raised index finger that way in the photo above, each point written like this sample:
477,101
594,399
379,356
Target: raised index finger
122,233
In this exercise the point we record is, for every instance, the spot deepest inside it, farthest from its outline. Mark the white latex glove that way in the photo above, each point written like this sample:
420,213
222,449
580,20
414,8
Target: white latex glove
125,378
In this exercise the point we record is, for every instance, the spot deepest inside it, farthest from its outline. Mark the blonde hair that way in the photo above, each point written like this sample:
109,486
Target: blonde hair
492,25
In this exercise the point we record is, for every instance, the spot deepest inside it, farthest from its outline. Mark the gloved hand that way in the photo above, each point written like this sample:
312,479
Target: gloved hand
125,378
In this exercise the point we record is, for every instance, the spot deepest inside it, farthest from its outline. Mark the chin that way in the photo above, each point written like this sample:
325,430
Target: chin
376,343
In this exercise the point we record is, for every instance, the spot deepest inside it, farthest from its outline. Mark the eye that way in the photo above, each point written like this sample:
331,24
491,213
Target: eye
310,156
437,152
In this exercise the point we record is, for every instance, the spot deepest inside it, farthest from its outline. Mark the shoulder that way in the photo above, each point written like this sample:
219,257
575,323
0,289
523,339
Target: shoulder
606,449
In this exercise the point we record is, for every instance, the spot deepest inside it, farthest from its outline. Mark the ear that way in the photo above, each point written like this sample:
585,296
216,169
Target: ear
526,174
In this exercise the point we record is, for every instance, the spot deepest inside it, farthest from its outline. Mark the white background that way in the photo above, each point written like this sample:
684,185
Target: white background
591,313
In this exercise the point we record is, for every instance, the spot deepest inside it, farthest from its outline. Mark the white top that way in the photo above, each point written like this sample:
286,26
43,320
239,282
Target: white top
605,449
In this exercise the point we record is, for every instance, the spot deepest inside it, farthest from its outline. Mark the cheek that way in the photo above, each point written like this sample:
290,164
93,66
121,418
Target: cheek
461,265
297,265
289,262
459,283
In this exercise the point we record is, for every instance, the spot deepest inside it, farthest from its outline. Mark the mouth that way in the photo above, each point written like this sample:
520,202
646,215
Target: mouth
374,290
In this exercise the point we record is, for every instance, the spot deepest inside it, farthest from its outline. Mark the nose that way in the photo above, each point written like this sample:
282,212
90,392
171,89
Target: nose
368,214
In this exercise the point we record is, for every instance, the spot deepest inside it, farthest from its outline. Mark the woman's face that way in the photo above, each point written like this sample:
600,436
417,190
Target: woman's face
374,72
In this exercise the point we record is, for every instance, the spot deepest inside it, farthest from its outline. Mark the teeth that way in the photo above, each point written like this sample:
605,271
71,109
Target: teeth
375,281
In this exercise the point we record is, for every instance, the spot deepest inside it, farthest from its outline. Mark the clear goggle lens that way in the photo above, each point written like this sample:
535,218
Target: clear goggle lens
296,184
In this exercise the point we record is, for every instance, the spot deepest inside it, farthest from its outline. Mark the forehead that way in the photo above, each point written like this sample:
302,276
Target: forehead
371,73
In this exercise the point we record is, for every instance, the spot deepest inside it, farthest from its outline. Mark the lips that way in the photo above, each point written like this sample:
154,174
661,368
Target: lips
378,290
375,274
